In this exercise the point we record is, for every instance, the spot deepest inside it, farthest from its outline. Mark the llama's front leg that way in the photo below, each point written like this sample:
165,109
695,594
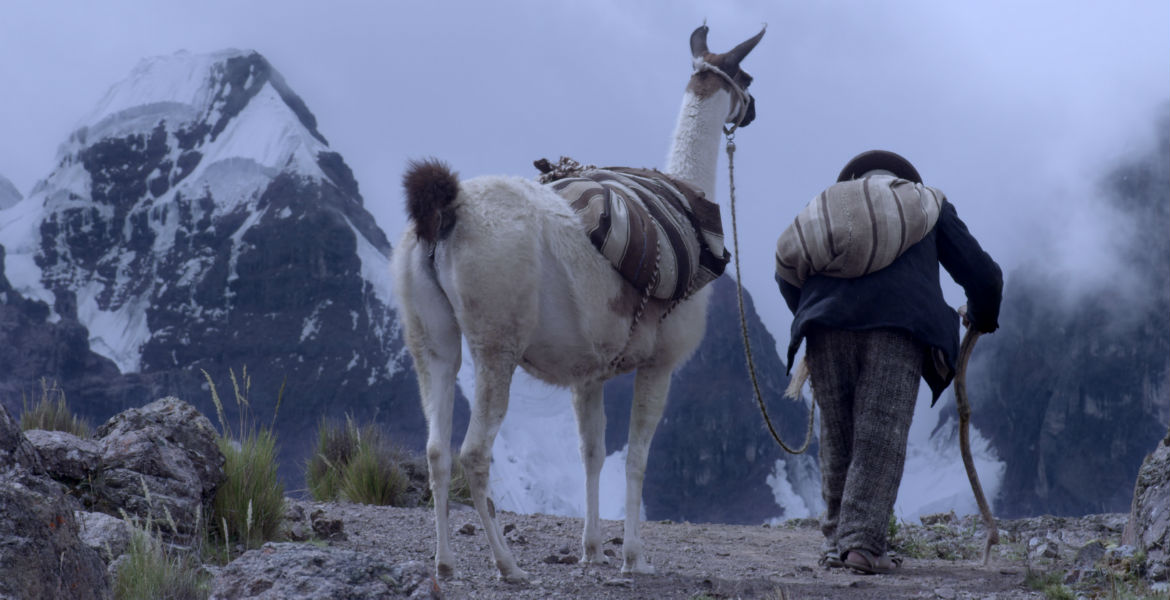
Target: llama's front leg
492,379
590,408
651,385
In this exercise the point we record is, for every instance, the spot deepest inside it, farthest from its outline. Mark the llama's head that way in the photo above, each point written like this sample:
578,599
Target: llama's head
715,72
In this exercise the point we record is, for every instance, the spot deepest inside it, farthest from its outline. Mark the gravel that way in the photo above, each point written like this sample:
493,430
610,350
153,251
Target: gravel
692,561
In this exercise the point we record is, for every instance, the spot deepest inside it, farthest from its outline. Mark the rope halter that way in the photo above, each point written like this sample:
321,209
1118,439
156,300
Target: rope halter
738,94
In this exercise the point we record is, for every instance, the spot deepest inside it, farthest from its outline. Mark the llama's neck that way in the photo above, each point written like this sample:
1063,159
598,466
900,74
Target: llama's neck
694,152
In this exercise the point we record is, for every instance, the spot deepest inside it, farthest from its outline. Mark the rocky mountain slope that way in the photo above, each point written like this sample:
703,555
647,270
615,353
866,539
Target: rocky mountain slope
1074,389
9,195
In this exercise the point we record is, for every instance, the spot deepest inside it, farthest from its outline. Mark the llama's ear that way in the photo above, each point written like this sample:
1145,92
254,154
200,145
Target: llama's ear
740,52
699,42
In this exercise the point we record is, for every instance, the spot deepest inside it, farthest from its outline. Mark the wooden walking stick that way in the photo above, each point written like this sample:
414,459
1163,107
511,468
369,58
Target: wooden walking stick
964,407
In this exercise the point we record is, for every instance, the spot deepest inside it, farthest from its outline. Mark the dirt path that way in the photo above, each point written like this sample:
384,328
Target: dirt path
692,561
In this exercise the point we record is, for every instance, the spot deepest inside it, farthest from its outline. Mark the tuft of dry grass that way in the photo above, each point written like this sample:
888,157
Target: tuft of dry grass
52,413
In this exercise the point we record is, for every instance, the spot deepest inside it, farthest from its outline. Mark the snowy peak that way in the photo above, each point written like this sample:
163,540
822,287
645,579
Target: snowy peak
209,88
9,195
180,115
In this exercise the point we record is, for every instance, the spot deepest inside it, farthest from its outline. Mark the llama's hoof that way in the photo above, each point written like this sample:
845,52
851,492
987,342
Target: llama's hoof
594,556
516,575
444,570
639,567
597,559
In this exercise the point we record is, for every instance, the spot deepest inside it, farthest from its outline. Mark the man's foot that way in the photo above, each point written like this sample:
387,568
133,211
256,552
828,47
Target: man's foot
864,562
830,559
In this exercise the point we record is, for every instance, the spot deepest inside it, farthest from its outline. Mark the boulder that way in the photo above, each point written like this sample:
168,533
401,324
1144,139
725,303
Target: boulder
160,463
108,536
288,571
67,458
41,553
1149,517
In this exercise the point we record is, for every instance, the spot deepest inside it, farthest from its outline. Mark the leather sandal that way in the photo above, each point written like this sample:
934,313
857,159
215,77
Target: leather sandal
865,562
830,559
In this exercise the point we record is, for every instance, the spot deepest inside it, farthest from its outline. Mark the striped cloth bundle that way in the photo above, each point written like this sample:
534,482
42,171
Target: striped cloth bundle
856,227
660,233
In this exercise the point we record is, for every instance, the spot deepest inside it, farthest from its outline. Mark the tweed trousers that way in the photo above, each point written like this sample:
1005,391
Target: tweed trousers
866,383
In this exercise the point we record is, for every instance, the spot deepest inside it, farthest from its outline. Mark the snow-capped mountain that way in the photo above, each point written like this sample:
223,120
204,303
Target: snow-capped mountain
197,220
9,195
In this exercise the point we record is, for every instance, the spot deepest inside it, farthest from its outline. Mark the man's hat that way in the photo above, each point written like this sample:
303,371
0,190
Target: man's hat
879,159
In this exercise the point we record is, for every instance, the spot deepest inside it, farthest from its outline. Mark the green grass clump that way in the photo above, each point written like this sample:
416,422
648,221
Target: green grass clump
249,504
52,413
357,464
1049,583
373,476
149,571
336,443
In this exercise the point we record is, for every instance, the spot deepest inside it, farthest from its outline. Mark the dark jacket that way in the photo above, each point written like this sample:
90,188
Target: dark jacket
907,295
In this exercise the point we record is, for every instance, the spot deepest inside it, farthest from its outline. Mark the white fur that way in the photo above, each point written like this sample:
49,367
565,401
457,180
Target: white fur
518,278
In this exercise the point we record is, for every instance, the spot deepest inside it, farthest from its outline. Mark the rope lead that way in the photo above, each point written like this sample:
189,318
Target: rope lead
747,346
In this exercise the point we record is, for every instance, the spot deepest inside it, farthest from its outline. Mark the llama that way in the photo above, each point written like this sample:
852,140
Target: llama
504,262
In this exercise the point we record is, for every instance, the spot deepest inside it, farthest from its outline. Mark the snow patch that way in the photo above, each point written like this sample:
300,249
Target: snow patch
20,227
796,486
375,267
934,479
118,334
269,133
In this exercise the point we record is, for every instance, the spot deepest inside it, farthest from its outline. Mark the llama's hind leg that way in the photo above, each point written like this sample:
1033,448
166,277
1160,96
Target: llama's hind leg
651,385
493,376
590,408
434,340
439,409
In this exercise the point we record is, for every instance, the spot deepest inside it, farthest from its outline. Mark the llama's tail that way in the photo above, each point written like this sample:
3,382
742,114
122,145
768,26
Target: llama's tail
431,187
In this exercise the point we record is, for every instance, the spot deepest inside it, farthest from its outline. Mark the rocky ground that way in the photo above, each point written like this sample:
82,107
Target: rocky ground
1076,557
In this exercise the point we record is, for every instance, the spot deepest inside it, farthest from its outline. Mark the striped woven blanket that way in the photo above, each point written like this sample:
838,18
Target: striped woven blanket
660,233
856,227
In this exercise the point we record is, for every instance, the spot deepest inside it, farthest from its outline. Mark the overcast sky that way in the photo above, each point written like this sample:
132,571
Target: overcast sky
1012,108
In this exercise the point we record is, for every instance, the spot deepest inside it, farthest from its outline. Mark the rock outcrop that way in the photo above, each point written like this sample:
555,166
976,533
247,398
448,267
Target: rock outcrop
160,462
1149,518
280,571
41,552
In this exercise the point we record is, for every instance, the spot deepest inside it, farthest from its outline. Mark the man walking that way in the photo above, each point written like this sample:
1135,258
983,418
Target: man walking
859,270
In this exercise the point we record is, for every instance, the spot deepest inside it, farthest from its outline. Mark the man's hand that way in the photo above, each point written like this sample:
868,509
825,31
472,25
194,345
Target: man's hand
963,316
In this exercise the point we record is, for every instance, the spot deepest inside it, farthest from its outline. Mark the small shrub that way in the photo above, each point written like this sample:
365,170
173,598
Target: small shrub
249,505
357,464
148,571
372,476
52,413
460,488
336,443
1049,583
